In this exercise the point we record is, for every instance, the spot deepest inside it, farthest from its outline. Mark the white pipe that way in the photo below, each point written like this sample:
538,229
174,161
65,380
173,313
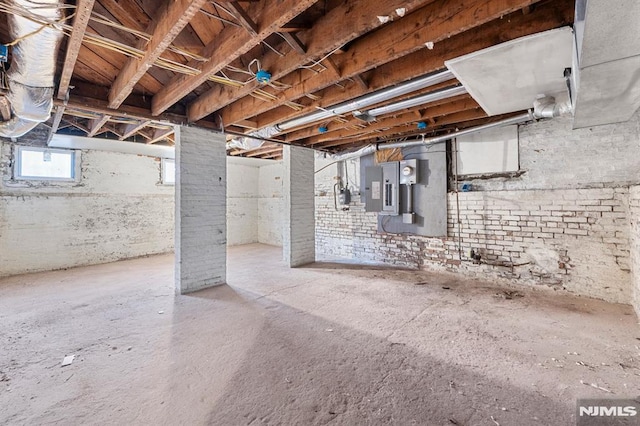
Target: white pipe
418,100
370,149
528,116
368,100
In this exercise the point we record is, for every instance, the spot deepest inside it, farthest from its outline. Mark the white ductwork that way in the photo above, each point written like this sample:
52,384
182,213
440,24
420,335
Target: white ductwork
547,107
33,64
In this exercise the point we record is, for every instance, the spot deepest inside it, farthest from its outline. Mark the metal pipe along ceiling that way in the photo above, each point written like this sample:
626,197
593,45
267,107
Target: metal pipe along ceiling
368,100
370,149
31,76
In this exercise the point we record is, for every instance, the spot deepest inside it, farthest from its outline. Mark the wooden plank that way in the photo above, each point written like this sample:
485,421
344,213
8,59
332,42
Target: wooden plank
96,124
294,42
545,17
128,130
173,18
363,84
99,106
441,107
57,118
80,21
159,134
5,108
241,15
342,24
230,45
405,130
408,118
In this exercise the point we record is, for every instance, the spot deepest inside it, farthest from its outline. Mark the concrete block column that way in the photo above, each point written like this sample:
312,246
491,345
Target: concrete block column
201,203
298,239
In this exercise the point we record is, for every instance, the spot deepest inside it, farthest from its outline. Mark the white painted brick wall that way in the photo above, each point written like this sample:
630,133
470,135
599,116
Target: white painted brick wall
552,155
242,204
270,205
634,223
564,223
118,210
299,223
201,226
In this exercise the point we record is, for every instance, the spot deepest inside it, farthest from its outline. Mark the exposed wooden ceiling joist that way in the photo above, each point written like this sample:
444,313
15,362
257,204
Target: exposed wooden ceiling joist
175,15
339,26
319,54
227,47
436,22
551,15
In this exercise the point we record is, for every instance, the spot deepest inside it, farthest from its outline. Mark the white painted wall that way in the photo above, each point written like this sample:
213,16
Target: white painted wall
242,203
254,201
117,210
270,207
563,223
634,226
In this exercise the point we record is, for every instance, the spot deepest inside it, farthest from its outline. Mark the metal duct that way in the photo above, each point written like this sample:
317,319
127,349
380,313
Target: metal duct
547,107
368,100
33,64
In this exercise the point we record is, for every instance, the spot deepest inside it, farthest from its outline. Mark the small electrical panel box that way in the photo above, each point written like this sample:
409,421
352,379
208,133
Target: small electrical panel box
409,172
344,197
390,189
4,53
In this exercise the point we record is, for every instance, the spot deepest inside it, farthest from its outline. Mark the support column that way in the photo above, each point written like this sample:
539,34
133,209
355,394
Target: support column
201,208
299,238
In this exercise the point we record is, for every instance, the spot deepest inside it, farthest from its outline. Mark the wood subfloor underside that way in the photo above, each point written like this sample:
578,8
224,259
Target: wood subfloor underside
328,343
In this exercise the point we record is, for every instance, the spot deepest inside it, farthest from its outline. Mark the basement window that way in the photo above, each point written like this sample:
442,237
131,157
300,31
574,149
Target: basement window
168,171
45,164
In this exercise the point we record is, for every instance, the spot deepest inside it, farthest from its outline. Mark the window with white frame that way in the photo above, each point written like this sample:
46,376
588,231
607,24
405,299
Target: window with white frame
45,164
168,171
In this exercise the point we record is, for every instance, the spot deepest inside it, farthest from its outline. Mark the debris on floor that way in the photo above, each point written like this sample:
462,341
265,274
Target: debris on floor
68,360
509,294
594,385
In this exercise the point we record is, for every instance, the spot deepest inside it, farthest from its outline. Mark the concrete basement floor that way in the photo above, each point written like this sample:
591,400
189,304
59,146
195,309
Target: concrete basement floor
325,344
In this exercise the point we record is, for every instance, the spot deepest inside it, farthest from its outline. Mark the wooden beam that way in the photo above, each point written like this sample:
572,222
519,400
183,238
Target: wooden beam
241,15
80,21
343,130
363,84
545,17
159,134
437,22
5,108
247,124
405,129
331,64
99,106
294,42
164,29
128,130
407,119
96,124
57,118
227,47
342,24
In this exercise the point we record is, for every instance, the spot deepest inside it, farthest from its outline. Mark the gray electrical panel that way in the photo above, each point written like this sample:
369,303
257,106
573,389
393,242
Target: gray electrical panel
373,189
410,196
390,189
